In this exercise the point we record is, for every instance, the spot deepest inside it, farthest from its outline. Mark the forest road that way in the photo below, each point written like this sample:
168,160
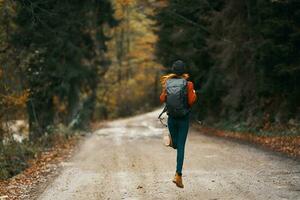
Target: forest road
126,159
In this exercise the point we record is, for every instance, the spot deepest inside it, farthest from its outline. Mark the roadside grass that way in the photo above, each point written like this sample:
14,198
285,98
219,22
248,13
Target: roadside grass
13,157
270,130
280,140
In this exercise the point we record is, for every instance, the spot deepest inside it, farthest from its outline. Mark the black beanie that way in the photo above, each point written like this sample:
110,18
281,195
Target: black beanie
178,67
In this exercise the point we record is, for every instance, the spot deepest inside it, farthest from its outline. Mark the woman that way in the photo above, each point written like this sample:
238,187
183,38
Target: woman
178,125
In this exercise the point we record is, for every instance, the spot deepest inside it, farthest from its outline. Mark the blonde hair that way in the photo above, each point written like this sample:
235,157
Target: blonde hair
163,79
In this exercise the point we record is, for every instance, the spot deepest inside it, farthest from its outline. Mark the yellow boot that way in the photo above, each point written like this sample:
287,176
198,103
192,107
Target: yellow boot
178,180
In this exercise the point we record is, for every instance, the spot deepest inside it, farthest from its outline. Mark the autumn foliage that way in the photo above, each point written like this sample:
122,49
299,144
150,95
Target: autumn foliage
131,86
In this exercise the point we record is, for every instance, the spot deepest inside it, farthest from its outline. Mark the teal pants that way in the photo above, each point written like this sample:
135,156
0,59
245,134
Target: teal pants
179,128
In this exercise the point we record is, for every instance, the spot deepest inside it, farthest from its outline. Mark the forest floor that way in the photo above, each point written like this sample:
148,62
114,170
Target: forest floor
126,159
42,169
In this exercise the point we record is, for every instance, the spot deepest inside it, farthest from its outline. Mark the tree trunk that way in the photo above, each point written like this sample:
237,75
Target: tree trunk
40,116
73,102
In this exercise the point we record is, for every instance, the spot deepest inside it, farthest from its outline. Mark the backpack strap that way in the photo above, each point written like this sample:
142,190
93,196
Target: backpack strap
162,112
159,117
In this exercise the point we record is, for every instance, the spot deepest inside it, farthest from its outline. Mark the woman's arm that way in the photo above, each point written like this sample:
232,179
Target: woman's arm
163,96
191,94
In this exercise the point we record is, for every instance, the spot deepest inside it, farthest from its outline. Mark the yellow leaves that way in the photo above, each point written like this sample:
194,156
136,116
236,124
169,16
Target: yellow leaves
125,2
161,3
119,14
121,6
15,100
60,106
23,98
129,82
11,99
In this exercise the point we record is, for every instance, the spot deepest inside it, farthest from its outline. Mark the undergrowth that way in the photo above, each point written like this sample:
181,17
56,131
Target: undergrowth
271,130
14,155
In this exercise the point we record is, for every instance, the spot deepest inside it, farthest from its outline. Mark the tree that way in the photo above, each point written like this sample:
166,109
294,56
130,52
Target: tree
243,55
65,45
13,94
131,85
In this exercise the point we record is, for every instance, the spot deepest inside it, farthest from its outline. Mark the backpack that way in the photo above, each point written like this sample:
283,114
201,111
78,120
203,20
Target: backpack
177,100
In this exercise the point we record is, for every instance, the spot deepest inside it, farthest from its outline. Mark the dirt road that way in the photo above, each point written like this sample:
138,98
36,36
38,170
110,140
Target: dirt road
126,160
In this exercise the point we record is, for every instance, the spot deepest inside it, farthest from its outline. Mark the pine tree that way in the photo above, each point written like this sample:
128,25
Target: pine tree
61,39
243,54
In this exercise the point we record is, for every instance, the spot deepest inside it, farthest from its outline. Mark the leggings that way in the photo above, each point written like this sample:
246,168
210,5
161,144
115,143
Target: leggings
179,128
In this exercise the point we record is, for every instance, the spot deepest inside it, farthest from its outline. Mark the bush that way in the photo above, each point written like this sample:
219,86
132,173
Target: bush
13,157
